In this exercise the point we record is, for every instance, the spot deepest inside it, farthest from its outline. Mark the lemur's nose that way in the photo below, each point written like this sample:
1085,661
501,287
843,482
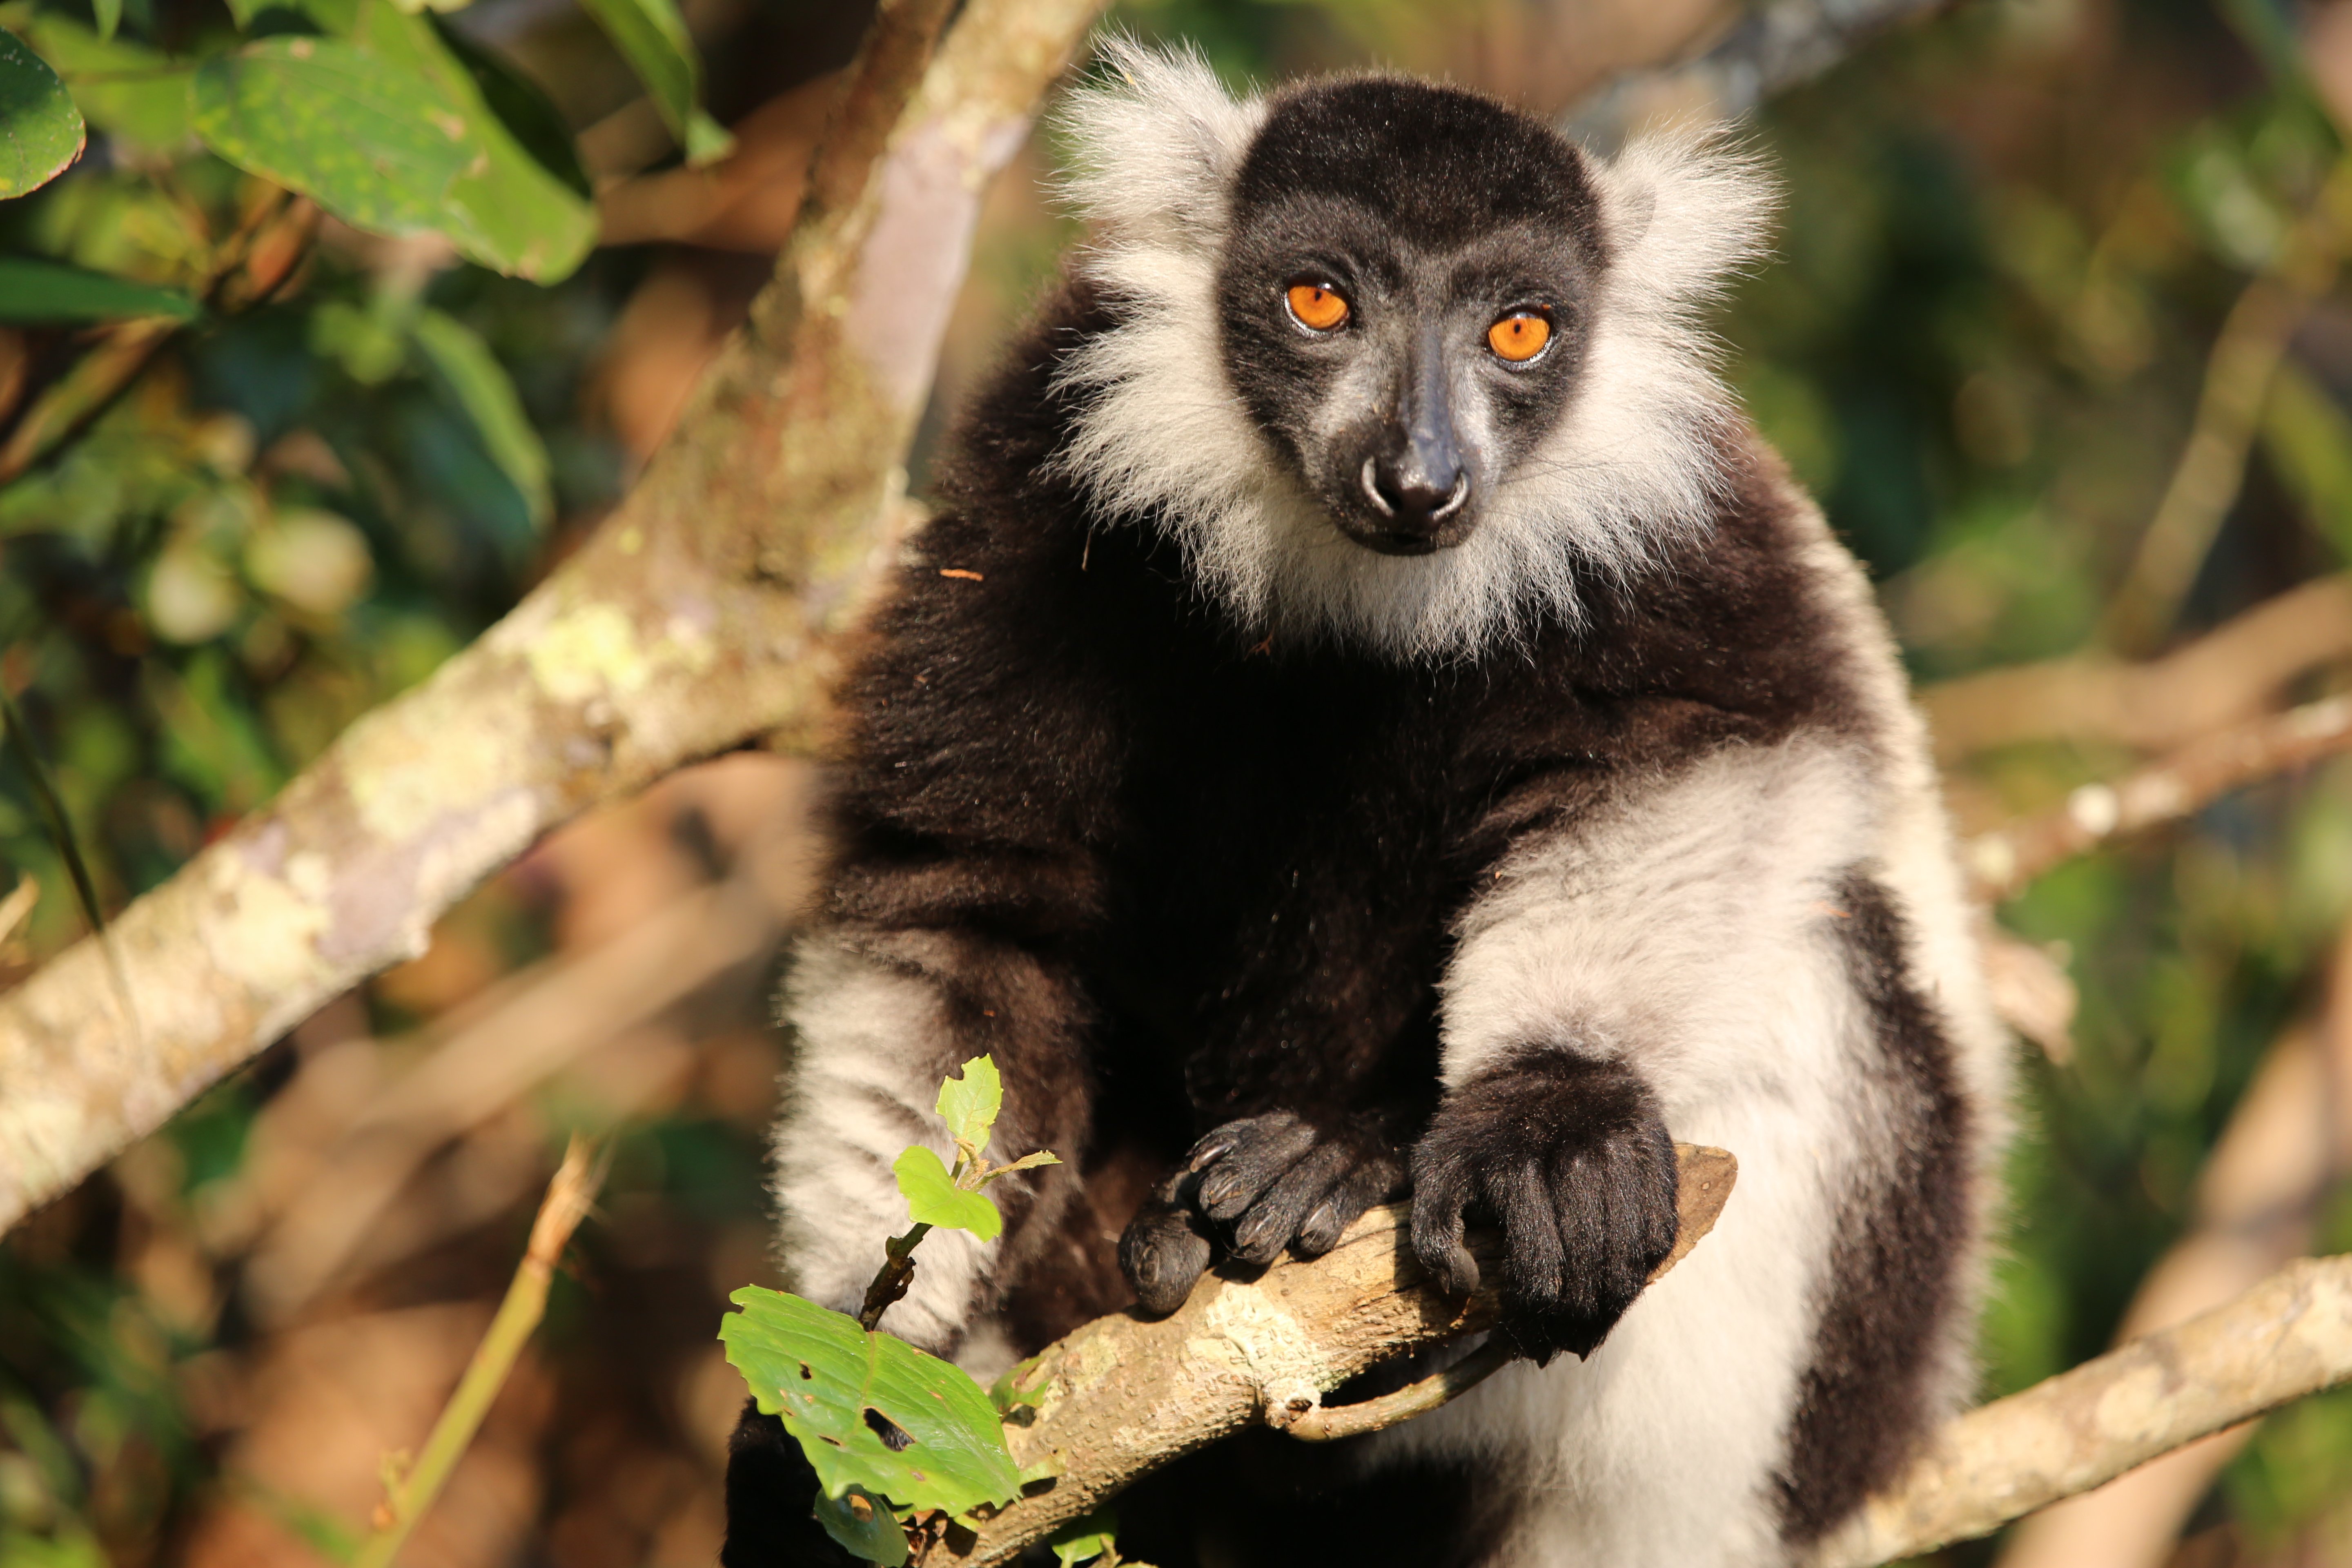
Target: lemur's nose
1417,490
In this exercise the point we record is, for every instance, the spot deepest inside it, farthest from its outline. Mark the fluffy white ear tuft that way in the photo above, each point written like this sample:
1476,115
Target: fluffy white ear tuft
1155,144
1686,209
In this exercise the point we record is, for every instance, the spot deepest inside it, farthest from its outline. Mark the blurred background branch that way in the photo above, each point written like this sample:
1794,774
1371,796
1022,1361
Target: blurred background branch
693,620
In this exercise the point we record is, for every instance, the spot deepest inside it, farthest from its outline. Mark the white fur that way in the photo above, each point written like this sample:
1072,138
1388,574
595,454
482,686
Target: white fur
1692,932
861,1095
1166,439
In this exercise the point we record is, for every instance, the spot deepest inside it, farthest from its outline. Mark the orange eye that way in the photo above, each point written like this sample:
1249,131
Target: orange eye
1317,306
1519,338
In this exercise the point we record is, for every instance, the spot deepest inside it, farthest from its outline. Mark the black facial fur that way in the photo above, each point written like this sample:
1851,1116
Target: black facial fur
1433,214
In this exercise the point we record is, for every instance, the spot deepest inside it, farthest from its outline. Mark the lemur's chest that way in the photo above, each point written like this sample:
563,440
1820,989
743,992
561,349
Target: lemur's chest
1290,864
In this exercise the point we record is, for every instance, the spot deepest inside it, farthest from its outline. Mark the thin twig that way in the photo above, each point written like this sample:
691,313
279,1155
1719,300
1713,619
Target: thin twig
2000,863
568,1196
2238,376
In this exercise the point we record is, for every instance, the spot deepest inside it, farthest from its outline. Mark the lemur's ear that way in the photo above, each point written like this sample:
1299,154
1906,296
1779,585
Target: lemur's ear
1685,211
1156,142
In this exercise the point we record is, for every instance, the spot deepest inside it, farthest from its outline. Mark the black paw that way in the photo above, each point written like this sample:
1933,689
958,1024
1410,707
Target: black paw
1268,1183
1572,1160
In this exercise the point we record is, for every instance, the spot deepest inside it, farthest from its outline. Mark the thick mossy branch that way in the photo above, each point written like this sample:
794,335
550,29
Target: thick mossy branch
700,615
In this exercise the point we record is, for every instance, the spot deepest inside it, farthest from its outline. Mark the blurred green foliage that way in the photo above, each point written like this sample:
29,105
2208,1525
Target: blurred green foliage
2011,235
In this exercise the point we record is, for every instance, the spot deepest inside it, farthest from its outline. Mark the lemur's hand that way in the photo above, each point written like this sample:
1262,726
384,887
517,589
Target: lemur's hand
1268,1181
1572,1160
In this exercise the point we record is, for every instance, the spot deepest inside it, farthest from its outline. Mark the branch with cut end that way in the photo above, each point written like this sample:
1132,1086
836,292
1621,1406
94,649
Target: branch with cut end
2001,863
1123,1396
701,615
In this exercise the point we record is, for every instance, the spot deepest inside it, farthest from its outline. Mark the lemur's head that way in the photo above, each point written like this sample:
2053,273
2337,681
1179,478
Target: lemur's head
1396,364
1404,297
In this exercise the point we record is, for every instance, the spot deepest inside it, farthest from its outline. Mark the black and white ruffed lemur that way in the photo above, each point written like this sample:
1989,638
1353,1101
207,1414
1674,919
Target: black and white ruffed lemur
1371,715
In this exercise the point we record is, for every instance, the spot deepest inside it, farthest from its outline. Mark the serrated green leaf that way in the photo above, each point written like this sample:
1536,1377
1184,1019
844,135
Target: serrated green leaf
376,145
935,1199
136,95
41,131
1084,1540
969,1104
875,1537
840,1390
33,290
473,378
652,36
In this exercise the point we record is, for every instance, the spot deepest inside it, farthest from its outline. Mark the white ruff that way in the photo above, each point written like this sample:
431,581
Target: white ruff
1165,437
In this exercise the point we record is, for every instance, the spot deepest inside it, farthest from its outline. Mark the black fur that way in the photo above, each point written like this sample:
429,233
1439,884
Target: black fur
1891,1286
1193,887
1569,1156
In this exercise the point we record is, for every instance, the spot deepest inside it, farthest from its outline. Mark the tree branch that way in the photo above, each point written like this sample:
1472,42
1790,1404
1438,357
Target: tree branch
2230,674
2000,863
2289,1337
702,614
2212,467
1124,1396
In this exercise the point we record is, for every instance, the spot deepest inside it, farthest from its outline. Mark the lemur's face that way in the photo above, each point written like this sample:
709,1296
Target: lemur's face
1404,300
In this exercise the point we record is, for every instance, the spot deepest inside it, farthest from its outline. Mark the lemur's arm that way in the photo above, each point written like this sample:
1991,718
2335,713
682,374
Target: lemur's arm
980,763
1634,967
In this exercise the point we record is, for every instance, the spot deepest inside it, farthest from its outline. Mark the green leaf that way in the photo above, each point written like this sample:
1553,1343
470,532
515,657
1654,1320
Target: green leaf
477,383
377,146
1019,1386
41,133
504,208
867,1409
874,1536
969,1104
935,1199
1084,1540
2307,437
49,291
526,112
62,837
109,14
137,95
652,36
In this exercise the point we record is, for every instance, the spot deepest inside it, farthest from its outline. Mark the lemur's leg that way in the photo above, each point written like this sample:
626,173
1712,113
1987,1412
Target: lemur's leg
1733,962
880,1016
